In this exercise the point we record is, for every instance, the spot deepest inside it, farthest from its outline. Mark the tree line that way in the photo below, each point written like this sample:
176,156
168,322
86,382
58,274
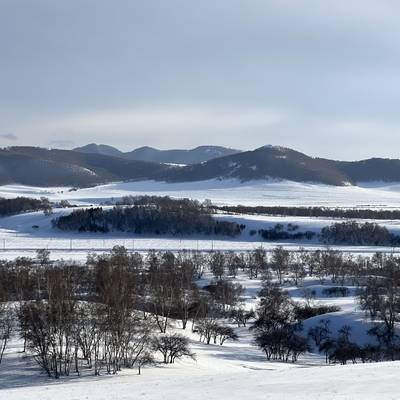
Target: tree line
328,212
353,233
20,205
151,215
292,232
339,233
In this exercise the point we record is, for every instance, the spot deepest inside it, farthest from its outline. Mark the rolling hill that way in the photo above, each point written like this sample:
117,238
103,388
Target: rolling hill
177,156
264,162
103,149
43,167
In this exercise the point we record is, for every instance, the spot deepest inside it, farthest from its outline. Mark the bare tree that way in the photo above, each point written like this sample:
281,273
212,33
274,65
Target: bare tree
173,347
240,316
280,262
381,298
217,264
145,358
6,327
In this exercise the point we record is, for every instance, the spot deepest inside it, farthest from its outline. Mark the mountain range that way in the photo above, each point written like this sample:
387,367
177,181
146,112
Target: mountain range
44,167
177,156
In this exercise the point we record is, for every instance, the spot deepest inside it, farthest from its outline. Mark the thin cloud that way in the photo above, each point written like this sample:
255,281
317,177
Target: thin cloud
162,120
174,126
64,144
9,136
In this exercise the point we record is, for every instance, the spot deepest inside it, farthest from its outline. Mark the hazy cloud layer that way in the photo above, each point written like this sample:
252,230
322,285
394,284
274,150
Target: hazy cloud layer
320,76
62,144
8,136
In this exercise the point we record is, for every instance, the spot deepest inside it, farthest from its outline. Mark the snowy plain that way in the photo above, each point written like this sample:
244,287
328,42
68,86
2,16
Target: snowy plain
228,192
236,370
23,234
17,235
350,382
233,371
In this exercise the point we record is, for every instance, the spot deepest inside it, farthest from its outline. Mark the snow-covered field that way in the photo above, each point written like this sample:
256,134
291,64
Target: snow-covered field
21,235
278,382
236,370
18,237
229,192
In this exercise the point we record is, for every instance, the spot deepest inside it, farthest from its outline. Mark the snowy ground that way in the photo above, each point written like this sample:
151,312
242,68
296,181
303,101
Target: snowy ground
18,237
21,235
229,192
236,370
351,382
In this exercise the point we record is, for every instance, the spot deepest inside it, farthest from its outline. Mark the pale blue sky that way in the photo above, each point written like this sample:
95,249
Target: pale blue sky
319,76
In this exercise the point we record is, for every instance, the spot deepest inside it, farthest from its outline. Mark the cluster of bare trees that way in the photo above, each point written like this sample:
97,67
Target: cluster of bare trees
74,324
289,266
278,325
380,297
276,328
211,329
116,311
341,349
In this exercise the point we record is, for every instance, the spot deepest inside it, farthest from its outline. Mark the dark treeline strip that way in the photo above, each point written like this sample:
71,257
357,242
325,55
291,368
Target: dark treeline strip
23,204
278,232
313,212
152,215
348,233
352,233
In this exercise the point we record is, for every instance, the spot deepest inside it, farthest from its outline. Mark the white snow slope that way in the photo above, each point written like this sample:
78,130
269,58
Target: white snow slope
22,234
351,382
18,237
229,192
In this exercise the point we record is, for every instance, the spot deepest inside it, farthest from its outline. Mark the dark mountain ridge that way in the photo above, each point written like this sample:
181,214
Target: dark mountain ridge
174,156
264,162
103,149
44,167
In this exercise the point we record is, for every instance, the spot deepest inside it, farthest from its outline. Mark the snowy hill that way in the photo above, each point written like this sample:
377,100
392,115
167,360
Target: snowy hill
227,192
103,149
38,166
193,156
176,156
